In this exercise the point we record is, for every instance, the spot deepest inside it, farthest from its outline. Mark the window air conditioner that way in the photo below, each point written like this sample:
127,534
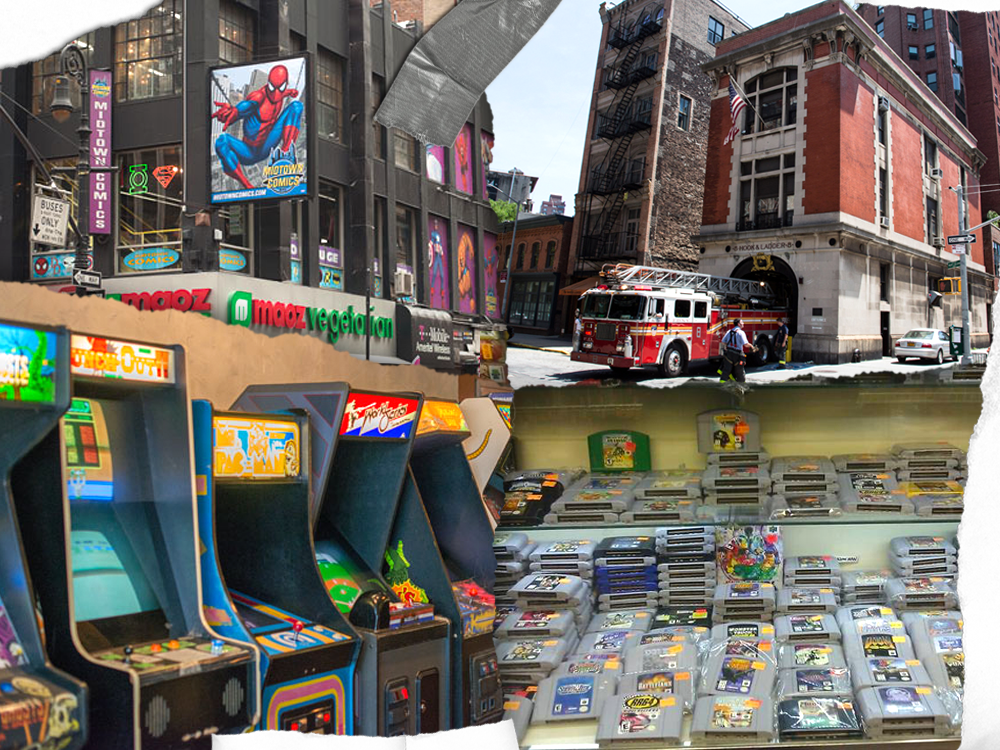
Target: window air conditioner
884,222
404,284
937,174
938,242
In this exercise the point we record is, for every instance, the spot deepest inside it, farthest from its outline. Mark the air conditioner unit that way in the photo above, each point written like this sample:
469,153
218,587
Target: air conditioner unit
938,242
884,222
937,174
404,284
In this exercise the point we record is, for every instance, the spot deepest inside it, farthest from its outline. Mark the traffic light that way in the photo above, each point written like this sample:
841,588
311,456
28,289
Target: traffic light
950,285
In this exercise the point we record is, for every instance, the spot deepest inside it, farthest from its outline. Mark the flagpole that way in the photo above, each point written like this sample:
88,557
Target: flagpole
741,92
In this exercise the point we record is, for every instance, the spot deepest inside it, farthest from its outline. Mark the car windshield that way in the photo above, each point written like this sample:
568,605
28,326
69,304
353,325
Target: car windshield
919,335
596,305
627,307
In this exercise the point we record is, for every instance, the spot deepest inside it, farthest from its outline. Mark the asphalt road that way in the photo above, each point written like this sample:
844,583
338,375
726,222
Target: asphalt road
541,361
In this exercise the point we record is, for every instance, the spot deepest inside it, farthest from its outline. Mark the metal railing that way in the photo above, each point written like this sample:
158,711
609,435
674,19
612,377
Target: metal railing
765,221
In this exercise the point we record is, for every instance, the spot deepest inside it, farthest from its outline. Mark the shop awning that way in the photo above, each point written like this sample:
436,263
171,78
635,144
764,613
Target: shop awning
575,290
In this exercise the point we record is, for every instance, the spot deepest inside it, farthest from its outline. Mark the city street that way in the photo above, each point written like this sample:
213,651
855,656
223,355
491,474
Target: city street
540,360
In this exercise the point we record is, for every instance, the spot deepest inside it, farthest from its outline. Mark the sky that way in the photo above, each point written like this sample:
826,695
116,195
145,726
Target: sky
541,100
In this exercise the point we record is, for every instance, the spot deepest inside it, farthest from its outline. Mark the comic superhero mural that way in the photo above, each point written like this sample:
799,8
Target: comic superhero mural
259,131
463,161
438,263
491,259
466,250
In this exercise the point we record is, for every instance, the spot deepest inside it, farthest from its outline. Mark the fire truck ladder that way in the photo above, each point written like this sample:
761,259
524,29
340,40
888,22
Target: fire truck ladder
607,180
668,278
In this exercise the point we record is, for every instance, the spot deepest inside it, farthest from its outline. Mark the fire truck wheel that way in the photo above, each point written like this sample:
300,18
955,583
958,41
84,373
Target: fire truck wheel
762,356
674,361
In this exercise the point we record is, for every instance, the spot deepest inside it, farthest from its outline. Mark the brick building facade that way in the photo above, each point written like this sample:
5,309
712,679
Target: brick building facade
538,272
426,13
837,191
643,163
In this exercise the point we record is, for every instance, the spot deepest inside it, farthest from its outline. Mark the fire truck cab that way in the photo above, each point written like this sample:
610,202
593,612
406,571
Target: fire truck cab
664,318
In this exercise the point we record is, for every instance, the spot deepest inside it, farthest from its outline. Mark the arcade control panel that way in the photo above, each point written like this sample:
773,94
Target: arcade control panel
280,632
160,660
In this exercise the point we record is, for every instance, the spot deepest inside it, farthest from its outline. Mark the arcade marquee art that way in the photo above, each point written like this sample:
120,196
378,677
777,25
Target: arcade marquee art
259,132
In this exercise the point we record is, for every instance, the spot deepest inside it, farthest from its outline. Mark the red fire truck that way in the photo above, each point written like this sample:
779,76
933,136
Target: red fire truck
663,318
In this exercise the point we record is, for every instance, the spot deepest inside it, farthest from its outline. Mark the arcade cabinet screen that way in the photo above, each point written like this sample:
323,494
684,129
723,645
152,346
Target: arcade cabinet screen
256,621
345,575
11,653
108,577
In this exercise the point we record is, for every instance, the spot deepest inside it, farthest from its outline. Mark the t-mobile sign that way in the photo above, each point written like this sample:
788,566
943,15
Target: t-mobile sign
100,151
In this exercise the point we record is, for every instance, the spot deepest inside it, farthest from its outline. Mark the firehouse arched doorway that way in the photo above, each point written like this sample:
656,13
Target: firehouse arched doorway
779,276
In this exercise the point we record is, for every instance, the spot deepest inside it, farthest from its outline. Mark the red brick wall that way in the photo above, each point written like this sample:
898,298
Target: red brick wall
907,185
822,150
857,147
781,26
718,165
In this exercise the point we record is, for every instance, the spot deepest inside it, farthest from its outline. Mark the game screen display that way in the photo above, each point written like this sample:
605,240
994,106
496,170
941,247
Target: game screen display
28,364
345,576
11,652
108,576
256,621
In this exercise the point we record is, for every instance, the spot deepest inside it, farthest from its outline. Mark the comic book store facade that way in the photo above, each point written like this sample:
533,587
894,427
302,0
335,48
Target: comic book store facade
246,161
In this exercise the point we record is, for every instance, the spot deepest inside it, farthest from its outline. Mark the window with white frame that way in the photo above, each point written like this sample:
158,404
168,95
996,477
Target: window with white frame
772,99
767,192
716,31
684,112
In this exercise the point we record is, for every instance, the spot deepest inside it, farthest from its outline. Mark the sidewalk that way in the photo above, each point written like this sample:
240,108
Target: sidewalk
554,344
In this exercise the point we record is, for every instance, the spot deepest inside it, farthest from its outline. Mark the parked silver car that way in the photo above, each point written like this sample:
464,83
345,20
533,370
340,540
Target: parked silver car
924,343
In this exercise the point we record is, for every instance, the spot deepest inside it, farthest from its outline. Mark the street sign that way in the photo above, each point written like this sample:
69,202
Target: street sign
955,264
961,239
48,221
88,279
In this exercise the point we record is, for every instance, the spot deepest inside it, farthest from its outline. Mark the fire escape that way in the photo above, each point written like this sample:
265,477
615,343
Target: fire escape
608,182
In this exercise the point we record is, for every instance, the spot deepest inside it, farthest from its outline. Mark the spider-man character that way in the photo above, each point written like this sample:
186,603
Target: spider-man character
267,124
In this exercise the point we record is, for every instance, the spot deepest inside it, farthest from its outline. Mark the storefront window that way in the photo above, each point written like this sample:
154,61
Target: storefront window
148,54
531,303
237,223
236,33
330,96
150,196
330,217
43,73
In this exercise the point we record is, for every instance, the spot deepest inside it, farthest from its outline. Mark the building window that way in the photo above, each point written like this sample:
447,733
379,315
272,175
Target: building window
716,31
148,54
378,130
932,220
883,179
928,18
914,52
930,154
329,96
550,254
911,21
44,72
531,303
879,10
632,231
880,28
149,213
536,249
649,60
684,112
520,256
932,81
881,125
406,239
405,150
930,51
884,281
330,215
767,194
773,100
236,27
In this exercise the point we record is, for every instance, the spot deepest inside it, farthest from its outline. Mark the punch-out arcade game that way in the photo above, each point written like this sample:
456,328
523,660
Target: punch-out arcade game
442,543
40,707
253,512
360,447
106,506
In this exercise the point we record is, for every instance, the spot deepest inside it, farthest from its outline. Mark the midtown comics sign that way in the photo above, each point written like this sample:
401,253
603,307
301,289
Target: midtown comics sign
245,310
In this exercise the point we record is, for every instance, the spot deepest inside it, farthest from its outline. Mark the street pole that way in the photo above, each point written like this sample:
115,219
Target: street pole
964,264
513,247
73,65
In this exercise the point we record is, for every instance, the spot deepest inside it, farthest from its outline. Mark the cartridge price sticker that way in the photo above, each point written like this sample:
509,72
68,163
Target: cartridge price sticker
758,665
899,639
923,690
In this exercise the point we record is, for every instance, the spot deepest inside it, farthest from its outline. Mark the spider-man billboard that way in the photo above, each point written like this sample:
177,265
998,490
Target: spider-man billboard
259,133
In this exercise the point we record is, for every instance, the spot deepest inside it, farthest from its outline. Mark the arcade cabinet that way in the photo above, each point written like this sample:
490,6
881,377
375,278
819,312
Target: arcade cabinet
488,449
259,575
360,445
106,506
441,548
41,706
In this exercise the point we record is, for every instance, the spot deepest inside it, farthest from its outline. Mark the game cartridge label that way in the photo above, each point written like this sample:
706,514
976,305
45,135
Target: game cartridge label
611,641
658,682
733,713
639,714
943,643
902,701
573,696
546,583
525,651
809,655
806,623
660,657
954,665
816,680
890,670
879,645
736,675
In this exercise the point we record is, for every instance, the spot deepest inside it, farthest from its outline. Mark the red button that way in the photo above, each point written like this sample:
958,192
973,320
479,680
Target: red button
295,727
326,718
406,694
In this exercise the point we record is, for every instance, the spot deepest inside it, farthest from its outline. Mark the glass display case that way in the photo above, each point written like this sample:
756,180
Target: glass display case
772,568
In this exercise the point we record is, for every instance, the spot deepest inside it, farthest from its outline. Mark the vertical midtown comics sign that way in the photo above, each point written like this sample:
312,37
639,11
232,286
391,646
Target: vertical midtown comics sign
259,130
100,151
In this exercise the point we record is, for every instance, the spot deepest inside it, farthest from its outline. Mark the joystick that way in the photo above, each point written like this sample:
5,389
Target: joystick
297,628
128,654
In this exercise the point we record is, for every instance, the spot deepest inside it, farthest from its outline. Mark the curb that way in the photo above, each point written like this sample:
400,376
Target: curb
537,348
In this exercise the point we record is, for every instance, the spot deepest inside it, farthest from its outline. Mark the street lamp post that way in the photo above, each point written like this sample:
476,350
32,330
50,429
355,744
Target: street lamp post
513,247
72,64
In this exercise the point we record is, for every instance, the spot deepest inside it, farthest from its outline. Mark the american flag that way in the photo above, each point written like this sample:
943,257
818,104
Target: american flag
736,106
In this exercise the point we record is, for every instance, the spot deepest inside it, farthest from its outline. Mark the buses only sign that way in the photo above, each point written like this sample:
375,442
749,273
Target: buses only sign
48,221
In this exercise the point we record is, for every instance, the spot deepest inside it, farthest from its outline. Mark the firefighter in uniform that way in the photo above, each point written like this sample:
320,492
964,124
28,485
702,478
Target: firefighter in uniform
734,359
781,343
